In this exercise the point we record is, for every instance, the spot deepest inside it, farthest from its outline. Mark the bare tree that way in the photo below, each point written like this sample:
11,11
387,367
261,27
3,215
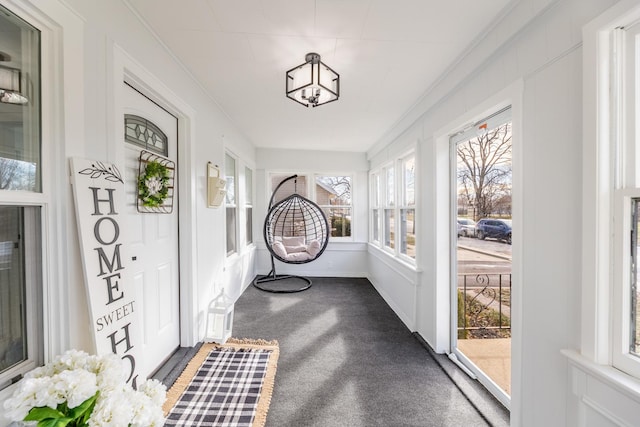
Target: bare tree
484,170
9,171
341,185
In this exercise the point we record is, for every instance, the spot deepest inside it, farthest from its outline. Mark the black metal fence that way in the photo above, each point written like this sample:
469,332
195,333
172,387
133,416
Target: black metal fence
484,305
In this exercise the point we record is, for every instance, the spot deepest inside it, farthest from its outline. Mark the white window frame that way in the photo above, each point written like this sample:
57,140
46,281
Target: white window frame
350,207
374,197
604,194
234,206
626,97
396,205
248,204
41,261
402,200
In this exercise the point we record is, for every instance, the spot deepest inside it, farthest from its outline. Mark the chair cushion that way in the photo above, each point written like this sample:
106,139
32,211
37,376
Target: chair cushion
298,256
295,249
278,249
293,241
314,248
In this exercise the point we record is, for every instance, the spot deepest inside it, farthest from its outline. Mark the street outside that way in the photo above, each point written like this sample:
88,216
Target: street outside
483,256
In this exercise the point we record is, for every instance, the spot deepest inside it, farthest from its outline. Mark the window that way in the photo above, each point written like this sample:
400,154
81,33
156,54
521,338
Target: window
393,207
333,195
21,325
248,205
375,207
298,185
389,210
626,312
231,203
408,208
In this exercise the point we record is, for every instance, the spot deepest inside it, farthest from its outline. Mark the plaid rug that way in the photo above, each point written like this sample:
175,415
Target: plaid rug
227,385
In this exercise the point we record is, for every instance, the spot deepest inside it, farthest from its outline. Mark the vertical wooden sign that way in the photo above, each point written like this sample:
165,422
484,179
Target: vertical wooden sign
98,190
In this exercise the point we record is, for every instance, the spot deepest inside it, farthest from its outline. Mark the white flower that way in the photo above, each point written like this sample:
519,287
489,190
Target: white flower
156,391
145,412
75,386
31,393
154,185
76,376
111,410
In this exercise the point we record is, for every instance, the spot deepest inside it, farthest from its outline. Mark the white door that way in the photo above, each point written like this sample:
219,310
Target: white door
152,242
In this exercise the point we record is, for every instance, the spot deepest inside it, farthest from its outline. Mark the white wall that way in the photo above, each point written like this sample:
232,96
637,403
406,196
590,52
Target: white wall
340,259
539,44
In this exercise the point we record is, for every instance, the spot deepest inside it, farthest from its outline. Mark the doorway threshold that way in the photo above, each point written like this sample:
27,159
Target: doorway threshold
485,403
171,369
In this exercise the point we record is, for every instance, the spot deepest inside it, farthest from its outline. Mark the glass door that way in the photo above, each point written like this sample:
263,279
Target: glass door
481,258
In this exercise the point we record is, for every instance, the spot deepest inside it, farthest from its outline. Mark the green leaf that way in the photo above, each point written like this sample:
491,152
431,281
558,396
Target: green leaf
84,408
41,413
54,422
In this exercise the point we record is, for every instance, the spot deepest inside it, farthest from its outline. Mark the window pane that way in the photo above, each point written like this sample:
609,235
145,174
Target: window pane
376,225
20,164
248,186
298,185
634,338
390,184
409,181
375,190
14,305
333,190
339,221
230,176
333,195
408,232
249,225
389,228
231,230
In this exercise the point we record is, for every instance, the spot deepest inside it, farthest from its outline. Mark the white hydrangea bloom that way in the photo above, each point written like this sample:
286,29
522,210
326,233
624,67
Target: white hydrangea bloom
31,393
75,386
156,391
76,376
112,410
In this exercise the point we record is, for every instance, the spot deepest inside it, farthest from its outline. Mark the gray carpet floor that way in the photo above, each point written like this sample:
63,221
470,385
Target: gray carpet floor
346,359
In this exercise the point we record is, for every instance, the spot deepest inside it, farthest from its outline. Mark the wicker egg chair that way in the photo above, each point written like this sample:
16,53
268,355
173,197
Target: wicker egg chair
296,231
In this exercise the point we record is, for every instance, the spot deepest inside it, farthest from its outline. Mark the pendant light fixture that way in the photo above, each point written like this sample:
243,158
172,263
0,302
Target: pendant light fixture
10,85
313,83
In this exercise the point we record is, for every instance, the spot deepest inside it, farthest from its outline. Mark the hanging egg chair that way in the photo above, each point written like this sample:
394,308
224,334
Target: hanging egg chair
296,231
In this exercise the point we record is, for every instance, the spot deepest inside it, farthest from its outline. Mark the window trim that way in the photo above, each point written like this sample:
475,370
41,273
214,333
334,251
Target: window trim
50,271
248,202
402,199
350,207
374,206
227,205
399,190
599,130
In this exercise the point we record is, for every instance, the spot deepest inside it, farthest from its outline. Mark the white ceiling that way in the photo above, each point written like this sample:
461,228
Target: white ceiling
387,52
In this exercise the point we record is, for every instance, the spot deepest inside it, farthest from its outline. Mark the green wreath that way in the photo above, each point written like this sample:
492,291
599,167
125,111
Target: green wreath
153,185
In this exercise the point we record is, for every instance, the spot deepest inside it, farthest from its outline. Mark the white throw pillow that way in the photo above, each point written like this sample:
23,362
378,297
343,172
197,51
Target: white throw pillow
293,241
279,250
314,248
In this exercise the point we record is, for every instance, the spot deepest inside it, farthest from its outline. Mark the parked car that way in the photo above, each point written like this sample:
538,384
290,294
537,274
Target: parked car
494,229
466,227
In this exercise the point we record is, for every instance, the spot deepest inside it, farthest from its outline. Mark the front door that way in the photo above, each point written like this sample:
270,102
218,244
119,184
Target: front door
152,238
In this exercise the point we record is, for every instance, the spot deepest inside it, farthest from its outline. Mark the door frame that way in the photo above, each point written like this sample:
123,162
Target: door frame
445,238
125,69
455,353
